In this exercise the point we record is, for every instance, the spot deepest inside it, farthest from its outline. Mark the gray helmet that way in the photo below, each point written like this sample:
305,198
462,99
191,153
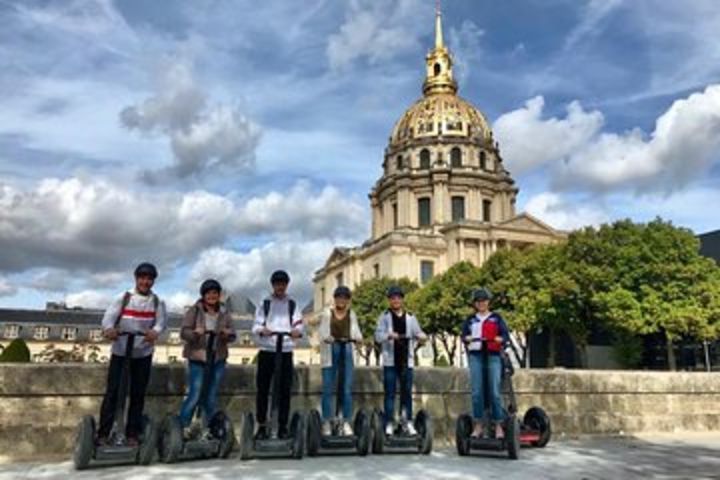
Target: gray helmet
342,291
395,291
481,294
146,269
279,276
209,285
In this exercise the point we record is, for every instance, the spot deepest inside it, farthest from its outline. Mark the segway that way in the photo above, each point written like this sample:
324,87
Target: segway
273,447
117,451
401,441
336,442
535,429
216,440
466,443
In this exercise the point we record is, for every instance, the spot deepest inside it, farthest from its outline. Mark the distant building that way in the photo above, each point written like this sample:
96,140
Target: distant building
60,327
710,245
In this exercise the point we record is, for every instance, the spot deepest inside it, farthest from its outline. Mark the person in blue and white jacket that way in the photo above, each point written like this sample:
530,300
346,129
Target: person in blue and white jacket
137,310
397,355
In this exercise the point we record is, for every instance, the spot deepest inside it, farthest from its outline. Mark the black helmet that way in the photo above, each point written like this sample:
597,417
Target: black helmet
395,291
279,276
481,294
342,291
146,269
210,284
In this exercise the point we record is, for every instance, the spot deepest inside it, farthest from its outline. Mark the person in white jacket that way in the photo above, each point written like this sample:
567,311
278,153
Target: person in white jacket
398,331
338,328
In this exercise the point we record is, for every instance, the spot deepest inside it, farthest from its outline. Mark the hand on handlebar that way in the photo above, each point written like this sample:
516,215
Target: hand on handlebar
111,334
265,332
393,336
151,336
295,333
329,339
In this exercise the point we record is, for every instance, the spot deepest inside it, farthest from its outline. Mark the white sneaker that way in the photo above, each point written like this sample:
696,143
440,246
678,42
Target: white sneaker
410,429
326,428
347,429
389,430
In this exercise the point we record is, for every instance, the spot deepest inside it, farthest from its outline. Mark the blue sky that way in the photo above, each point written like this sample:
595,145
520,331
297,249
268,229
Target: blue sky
230,138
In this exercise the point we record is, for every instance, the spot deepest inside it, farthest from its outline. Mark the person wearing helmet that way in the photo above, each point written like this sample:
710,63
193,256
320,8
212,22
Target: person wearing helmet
485,329
398,357
338,322
136,310
209,314
276,313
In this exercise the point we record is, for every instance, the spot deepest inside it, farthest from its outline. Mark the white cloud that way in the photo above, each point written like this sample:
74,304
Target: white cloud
682,147
89,299
94,226
202,136
378,31
7,289
464,43
563,213
177,301
51,280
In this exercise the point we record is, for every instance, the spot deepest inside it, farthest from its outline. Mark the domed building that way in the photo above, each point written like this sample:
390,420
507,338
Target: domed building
444,196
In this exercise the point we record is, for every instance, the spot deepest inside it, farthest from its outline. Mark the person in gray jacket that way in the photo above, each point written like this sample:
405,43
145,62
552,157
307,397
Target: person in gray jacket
137,310
338,322
398,332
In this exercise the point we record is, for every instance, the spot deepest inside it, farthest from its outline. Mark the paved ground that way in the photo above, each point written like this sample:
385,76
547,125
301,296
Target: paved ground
589,458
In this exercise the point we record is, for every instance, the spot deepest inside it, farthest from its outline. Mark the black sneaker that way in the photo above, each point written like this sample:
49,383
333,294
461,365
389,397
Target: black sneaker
282,433
262,433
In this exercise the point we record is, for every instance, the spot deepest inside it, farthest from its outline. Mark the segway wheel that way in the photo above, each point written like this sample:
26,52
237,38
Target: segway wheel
536,419
512,437
171,442
221,428
313,432
361,429
148,441
463,429
84,443
246,436
424,427
378,432
297,432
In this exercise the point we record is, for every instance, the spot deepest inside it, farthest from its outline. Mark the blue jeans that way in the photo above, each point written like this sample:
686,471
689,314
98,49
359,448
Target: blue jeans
390,380
329,383
208,404
475,362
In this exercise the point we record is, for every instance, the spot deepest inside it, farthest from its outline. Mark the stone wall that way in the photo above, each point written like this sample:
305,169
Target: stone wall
41,404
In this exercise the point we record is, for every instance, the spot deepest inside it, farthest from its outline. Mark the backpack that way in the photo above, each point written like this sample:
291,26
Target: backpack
126,300
266,310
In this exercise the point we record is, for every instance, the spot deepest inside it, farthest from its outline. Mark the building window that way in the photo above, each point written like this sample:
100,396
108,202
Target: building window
487,205
426,271
339,279
483,161
172,359
246,338
174,337
425,159
69,333
12,331
42,333
322,296
458,208
395,215
437,69
456,157
424,212
399,162
95,335
245,361
376,270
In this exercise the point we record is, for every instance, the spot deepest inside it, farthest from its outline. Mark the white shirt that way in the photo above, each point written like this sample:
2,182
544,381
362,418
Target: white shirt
278,321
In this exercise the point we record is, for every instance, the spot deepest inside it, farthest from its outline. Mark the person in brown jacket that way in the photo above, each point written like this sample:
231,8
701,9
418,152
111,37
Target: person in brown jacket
208,315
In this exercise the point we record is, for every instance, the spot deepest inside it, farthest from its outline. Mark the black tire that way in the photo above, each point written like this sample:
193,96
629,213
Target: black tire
424,427
512,437
362,432
314,431
378,432
84,443
246,436
463,429
148,442
536,419
298,433
221,428
170,443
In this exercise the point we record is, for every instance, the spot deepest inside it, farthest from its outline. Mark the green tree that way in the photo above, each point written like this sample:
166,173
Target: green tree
16,351
369,301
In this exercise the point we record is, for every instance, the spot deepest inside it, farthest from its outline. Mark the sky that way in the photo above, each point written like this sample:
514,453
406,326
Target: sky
226,139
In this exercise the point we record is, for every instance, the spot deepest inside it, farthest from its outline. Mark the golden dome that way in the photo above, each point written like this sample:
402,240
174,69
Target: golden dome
440,112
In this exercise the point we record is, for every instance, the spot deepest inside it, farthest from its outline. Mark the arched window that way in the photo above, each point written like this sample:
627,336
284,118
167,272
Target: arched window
437,69
483,161
399,162
456,157
425,159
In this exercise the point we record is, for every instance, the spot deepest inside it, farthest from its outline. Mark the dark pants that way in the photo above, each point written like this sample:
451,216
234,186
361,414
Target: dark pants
263,382
391,377
139,377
